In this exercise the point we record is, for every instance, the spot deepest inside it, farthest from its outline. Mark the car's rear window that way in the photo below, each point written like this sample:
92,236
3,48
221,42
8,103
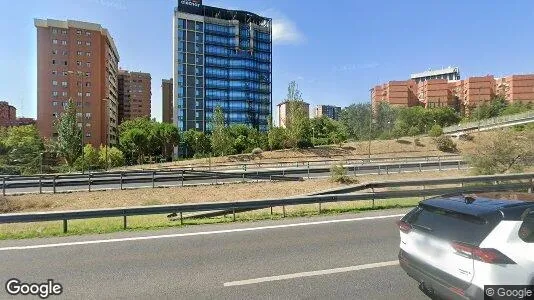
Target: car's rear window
452,226
526,232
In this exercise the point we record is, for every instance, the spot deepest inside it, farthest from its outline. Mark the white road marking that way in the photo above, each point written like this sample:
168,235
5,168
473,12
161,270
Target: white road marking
312,273
154,237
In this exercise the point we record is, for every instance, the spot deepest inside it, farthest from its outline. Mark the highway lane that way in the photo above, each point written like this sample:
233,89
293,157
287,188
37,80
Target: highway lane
295,172
196,262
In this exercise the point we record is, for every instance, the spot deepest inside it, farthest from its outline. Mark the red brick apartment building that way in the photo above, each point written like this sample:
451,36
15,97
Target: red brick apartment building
135,94
166,94
464,94
79,61
8,116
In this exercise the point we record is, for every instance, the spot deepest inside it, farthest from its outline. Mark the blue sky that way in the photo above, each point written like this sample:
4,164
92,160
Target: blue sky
335,50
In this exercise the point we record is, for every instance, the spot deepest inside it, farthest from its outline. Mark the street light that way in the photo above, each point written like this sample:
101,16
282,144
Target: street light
107,130
80,74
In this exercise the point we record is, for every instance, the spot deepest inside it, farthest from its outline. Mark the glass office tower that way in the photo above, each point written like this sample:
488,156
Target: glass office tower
221,58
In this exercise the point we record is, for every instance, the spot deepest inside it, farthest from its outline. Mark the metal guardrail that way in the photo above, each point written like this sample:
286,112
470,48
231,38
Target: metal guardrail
298,163
179,177
498,183
489,122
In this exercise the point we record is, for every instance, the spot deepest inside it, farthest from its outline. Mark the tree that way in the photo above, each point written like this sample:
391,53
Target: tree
503,152
23,147
170,137
111,157
221,143
197,143
69,140
297,121
356,119
133,142
91,159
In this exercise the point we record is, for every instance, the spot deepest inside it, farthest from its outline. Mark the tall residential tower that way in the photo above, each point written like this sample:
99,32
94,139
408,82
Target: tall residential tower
221,58
77,61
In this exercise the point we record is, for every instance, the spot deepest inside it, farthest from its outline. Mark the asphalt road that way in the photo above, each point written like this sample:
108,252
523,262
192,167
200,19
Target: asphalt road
232,261
300,172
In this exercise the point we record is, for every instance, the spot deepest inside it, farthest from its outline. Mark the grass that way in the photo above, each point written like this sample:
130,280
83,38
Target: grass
152,222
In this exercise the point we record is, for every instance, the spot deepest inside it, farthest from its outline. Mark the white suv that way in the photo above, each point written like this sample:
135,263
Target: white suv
454,245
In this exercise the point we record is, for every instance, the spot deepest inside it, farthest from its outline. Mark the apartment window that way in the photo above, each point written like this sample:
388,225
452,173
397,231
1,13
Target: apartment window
64,31
54,115
65,73
79,125
63,43
87,134
54,82
87,43
54,51
197,125
54,42
53,61
88,53
87,94
88,33
87,84
54,31
54,72
79,52
64,84
87,74
55,103
79,94
79,115
65,63
64,94
54,94
88,115
78,63
79,42
88,64
78,31
87,124
65,52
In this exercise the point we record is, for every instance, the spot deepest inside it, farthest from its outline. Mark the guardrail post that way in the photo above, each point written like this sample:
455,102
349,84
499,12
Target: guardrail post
183,172
40,184
387,170
271,210
64,226
284,210
378,169
233,214
439,162
283,172
531,185
89,181
420,167
319,207
3,186
458,165
243,177
308,170
400,166
153,179
121,180
373,191
54,184
181,219
124,223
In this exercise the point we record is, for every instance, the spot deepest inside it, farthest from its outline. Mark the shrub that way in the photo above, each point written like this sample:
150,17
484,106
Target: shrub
339,174
446,144
256,151
320,141
435,131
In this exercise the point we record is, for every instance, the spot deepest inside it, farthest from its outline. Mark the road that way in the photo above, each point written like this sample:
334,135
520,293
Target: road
293,171
261,260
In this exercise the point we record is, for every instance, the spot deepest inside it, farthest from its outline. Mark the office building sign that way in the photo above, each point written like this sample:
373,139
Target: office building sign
192,6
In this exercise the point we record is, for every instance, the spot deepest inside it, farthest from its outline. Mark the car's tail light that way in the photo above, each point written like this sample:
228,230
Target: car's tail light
457,291
487,255
404,227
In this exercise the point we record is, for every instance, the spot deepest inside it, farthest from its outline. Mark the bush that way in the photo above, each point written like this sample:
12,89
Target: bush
320,141
304,144
257,151
435,131
446,144
339,174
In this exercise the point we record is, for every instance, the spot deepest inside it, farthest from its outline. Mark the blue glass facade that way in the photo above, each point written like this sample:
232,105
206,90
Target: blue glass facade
222,62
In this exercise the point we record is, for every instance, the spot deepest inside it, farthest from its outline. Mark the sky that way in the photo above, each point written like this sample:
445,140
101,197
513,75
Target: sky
335,50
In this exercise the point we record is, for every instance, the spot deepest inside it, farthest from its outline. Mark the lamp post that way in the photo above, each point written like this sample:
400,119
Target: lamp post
370,120
106,102
80,75
41,162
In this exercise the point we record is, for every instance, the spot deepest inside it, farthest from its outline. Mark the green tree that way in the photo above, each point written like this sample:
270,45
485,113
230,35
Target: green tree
134,142
170,137
90,161
356,119
435,131
196,143
277,138
297,121
221,142
23,147
111,157
69,140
